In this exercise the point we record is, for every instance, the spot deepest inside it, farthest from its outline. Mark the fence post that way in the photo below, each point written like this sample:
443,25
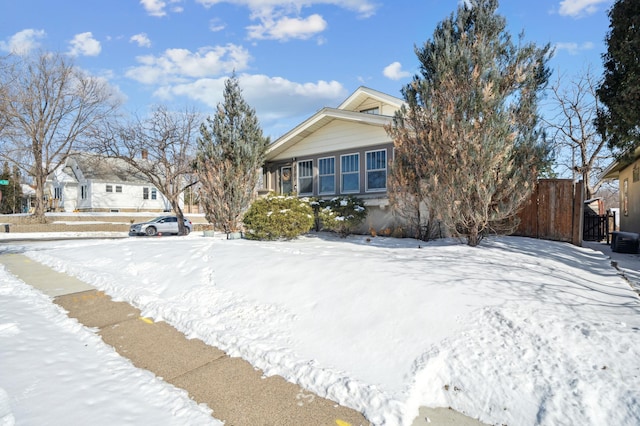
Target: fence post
578,212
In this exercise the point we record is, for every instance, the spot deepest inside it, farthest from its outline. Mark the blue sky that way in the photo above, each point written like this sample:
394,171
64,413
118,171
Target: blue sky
293,57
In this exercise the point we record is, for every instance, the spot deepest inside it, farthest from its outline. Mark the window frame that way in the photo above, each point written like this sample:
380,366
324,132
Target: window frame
108,188
367,170
145,192
342,173
118,188
154,194
84,192
300,176
326,175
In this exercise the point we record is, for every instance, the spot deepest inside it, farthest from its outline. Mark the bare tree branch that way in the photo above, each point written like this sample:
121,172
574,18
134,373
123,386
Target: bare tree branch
50,108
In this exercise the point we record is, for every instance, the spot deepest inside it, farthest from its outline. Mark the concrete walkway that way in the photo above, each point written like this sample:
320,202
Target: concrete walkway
237,393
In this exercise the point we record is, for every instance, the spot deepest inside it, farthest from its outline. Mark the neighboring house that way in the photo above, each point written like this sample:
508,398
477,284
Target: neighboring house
89,183
338,152
627,171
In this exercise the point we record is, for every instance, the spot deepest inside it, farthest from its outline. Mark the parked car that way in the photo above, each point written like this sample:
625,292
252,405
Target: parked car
159,225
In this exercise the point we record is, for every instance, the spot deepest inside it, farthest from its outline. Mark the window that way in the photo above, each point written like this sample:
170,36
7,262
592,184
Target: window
145,193
84,192
327,175
118,188
57,193
375,111
350,173
154,194
636,173
377,170
625,197
109,188
305,177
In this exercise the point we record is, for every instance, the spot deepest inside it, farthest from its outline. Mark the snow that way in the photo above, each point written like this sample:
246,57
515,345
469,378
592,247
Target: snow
55,371
516,331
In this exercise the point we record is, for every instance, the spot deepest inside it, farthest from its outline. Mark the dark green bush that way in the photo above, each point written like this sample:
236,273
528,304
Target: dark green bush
341,214
278,217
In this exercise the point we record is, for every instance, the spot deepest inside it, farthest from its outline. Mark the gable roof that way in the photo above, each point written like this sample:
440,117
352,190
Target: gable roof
613,170
106,169
346,111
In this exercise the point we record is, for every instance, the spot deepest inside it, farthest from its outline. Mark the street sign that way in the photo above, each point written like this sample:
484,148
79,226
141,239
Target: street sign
4,182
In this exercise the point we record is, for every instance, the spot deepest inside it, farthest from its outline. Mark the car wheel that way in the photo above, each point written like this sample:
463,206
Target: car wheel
151,231
186,231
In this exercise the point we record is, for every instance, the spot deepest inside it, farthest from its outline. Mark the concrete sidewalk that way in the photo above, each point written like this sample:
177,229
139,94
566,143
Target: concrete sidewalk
237,393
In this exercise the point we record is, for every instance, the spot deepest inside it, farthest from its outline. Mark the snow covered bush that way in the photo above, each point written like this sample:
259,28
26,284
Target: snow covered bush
275,216
341,214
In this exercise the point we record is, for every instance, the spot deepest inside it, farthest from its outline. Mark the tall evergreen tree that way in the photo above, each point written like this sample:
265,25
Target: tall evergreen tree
231,149
469,131
619,120
11,193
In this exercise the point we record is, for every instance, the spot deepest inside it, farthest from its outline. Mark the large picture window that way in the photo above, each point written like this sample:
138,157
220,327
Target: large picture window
327,175
305,177
350,173
377,170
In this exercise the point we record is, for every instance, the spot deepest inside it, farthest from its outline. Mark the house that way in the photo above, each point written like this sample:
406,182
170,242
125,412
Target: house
89,183
627,172
339,152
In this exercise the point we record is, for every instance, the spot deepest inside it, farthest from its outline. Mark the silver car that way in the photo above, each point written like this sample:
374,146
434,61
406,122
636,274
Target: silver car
159,225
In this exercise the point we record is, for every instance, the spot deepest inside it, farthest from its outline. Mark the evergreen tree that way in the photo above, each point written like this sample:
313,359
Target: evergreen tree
11,193
469,132
231,150
619,120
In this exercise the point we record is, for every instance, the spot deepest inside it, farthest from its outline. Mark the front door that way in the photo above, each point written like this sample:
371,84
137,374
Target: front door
286,180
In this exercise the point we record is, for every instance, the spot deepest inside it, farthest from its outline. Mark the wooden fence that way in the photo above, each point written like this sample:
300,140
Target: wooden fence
554,212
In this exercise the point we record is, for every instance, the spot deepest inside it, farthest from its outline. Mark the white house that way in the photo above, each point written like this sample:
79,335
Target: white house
88,183
339,151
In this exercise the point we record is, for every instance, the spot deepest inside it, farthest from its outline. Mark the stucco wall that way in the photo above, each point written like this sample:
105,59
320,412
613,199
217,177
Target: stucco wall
630,216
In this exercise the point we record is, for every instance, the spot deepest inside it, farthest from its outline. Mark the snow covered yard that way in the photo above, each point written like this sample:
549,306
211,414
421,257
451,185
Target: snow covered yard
517,331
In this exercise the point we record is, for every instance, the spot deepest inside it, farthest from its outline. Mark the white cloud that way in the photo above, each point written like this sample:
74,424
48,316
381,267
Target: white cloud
141,39
178,65
574,48
577,8
280,103
215,25
279,19
23,42
158,7
288,28
84,44
394,71
365,8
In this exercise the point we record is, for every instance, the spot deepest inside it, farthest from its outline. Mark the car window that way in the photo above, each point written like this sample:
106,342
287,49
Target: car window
172,219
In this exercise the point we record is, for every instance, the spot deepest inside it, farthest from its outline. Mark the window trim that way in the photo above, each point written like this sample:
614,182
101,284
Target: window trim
342,173
108,188
118,188
320,176
145,192
385,169
300,176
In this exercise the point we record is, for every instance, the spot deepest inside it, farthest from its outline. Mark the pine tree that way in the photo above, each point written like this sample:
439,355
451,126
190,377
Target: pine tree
619,120
469,131
231,150
11,193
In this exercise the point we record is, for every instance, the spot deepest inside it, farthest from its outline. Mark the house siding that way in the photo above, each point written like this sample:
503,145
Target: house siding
630,220
337,135
271,177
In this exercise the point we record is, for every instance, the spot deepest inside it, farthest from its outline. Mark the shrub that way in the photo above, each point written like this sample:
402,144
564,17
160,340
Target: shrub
341,214
274,217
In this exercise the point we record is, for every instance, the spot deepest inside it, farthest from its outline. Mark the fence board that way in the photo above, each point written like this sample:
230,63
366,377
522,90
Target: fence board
550,214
